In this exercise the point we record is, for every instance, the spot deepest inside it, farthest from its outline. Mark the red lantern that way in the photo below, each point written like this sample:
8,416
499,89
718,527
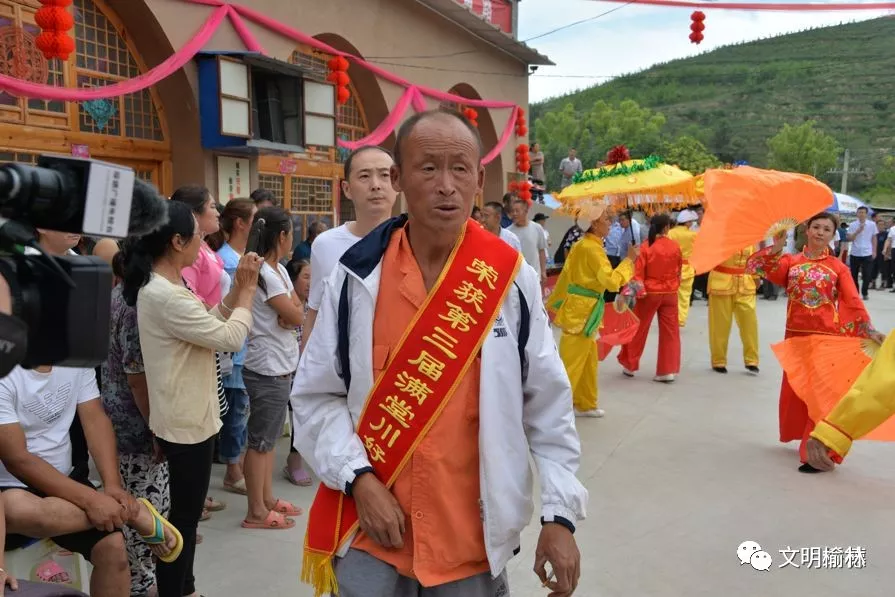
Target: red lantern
55,21
697,26
472,116
338,75
521,129
523,162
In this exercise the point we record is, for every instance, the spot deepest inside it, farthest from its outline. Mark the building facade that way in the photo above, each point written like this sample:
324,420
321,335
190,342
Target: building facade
466,47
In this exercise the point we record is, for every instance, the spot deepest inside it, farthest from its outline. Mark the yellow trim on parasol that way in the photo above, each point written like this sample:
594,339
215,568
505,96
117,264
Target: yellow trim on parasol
647,185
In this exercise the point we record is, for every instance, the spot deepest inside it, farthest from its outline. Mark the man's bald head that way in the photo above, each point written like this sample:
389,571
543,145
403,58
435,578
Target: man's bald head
411,123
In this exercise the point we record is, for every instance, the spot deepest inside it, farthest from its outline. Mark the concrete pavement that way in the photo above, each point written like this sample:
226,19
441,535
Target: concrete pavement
679,475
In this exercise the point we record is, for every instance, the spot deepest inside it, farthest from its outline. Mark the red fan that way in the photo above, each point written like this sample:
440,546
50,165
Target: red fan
822,369
618,327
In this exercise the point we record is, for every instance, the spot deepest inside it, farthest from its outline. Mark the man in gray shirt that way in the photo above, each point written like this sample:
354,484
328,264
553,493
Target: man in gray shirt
531,236
568,167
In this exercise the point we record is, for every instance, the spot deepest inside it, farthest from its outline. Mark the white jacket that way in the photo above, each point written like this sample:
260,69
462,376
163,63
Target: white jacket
515,420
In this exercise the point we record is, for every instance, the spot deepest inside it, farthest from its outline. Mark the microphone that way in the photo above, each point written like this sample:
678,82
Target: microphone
149,209
80,196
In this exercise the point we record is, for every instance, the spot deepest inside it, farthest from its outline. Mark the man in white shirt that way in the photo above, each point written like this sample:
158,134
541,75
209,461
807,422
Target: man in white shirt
491,214
368,185
887,252
569,167
862,236
532,238
541,220
44,498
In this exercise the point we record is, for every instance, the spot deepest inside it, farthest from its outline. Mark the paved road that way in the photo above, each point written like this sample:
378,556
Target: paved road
678,476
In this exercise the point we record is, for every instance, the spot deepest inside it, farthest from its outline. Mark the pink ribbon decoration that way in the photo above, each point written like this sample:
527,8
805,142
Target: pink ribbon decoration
504,138
167,68
413,95
388,124
419,102
248,38
291,32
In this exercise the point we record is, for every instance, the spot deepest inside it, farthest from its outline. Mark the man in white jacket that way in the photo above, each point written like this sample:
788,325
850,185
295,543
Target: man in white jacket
431,377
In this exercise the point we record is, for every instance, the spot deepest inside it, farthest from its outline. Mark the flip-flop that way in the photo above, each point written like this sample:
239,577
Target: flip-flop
287,508
52,572
213,505
298,476
274,522
158,537
206,515
239,487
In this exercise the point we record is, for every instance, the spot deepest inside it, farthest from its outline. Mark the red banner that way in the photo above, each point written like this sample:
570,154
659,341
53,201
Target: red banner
496,12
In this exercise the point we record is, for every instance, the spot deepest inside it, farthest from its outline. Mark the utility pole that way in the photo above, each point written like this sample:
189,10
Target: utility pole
844,190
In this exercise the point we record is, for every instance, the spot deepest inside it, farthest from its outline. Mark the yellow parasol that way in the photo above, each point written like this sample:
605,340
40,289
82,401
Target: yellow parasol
699,183
648,184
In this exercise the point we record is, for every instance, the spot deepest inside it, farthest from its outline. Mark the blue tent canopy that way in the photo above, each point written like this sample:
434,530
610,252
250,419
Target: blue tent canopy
846,204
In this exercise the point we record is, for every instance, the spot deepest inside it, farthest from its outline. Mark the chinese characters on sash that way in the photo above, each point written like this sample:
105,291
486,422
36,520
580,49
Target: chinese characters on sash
457,321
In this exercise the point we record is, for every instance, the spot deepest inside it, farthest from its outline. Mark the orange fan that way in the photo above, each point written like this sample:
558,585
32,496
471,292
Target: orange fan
746,205
822,369
618,327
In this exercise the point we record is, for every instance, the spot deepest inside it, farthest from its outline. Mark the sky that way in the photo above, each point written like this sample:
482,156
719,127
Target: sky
633,38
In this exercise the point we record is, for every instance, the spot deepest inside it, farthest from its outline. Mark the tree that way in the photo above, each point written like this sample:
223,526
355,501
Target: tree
883,191
594,132
802,148
689,154
728,147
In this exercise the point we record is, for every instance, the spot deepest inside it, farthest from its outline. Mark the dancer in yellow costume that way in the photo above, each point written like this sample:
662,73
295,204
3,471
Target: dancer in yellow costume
577,303
683,235
732,296
866,406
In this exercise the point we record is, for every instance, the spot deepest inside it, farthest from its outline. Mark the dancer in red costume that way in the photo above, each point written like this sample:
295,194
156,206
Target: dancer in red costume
823,299
658,274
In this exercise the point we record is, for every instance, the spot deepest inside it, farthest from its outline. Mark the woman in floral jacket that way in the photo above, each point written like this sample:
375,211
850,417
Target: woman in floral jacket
823,299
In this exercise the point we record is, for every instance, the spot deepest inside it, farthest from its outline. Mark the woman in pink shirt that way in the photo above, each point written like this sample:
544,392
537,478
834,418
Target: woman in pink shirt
204,276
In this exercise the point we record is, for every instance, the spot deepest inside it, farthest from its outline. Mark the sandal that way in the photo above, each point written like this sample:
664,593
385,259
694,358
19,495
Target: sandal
50,571
298,476
213,505
206,515
287,508
158,537
274,522
238,487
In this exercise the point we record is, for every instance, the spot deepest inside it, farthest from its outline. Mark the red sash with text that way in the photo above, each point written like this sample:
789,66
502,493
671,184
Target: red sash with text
428,364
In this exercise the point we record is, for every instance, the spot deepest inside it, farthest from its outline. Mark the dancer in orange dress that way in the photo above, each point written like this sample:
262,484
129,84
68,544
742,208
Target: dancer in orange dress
823,299
657,278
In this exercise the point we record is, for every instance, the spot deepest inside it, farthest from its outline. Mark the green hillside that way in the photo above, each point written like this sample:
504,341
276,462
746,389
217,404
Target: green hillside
736,97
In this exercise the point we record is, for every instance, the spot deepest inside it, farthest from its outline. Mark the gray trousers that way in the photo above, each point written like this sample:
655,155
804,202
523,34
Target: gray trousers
361,575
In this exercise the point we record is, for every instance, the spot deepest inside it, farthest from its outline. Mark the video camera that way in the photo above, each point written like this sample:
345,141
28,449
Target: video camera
61,305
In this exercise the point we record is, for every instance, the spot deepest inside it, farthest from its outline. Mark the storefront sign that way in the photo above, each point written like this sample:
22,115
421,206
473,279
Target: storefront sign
80,151
233,178
287,167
